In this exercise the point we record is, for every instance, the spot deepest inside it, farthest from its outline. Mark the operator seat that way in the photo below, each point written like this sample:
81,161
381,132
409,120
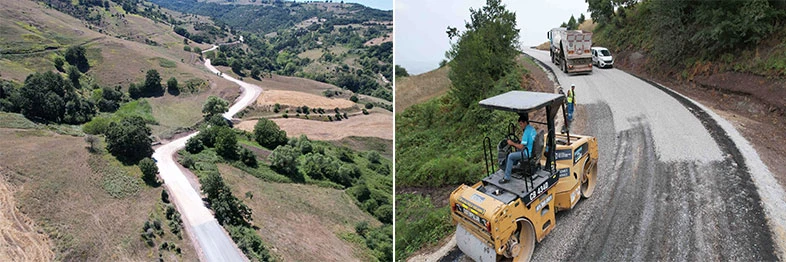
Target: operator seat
532,164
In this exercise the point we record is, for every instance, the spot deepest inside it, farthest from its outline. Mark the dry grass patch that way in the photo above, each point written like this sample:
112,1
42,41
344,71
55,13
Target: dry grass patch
67,198
420,88
300,222
294,98
20,238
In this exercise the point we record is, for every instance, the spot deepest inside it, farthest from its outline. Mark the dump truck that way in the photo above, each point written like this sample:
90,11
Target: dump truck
503,221
570,50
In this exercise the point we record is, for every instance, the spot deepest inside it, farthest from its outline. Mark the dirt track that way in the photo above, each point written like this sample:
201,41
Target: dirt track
19,238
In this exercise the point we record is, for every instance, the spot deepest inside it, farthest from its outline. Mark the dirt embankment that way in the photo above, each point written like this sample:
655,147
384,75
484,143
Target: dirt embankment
755,105
20,240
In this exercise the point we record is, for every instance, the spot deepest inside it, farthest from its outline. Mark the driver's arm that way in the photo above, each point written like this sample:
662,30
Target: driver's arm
518,146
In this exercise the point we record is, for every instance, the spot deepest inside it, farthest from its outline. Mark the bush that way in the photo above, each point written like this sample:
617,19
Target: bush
226,143
97,126
149,171
59,62
214,106
318,166
194,145
268,134
373,157
129,140
353,98
284,160
172,87
188,161
369,105
248,158
365,112
187,48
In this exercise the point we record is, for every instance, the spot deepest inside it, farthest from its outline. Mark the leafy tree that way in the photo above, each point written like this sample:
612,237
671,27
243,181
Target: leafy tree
384,213
572,23
283,159
255,73
401,71
48,97
129,140
134,91
226,143
581,19
194,145
484,53
171,86
59,62
229,209
92,141
149,171
248,157
75,55
214,106
110,99
237,67
318,166
153,83
353,98
73,75
369,105
268,134
373,157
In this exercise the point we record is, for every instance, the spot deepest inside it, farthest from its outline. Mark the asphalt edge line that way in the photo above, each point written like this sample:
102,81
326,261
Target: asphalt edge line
771,195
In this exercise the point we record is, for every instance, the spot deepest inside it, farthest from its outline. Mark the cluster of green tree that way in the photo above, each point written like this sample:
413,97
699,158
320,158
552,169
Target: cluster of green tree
92,10
129,140
270,18
151,87
379,240
482,64
48,97
680,33
402,72
572,23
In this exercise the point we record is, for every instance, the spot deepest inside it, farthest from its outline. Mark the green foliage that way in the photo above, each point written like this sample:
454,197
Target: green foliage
229,210
484,53
187,48
110,99
268,134
171,86
419,223
152,84
214,106
129,140
98,125
139,108
194,145
581,19
59,62
401,71
48,97
369,105
250,243
572,25
149,171
166,63
226,143
75,55
284,160
353,98
248,158
318,166
114,179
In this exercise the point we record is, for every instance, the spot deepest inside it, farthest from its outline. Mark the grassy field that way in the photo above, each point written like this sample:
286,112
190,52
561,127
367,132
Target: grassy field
419,88
91,206
302,222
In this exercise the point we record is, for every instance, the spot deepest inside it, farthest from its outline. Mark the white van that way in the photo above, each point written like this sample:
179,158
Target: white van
601,57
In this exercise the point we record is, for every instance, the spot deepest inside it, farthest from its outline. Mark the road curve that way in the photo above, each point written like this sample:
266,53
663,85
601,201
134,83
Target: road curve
676,182
211,239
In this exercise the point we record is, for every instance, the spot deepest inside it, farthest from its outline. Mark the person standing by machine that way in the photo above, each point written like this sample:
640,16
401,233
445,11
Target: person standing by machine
571,103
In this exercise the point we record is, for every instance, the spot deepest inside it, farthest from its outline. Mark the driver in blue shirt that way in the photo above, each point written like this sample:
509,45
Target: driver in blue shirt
527,138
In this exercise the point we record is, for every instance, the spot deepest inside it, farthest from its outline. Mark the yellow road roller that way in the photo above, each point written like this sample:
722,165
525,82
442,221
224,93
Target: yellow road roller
502,220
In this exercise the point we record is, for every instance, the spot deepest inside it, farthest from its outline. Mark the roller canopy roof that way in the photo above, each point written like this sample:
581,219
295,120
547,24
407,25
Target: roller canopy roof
523,101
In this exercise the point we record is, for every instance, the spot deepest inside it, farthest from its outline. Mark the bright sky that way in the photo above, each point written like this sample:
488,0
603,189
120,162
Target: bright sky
420,38
377,4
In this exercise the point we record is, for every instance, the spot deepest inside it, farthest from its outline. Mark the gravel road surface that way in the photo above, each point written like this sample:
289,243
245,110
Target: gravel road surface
676,182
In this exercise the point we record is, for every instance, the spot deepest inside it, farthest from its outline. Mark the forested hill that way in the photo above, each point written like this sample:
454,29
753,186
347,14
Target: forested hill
687,36
274,15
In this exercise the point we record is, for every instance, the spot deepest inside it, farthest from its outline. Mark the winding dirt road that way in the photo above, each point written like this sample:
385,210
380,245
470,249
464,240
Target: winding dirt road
676,181
210,238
